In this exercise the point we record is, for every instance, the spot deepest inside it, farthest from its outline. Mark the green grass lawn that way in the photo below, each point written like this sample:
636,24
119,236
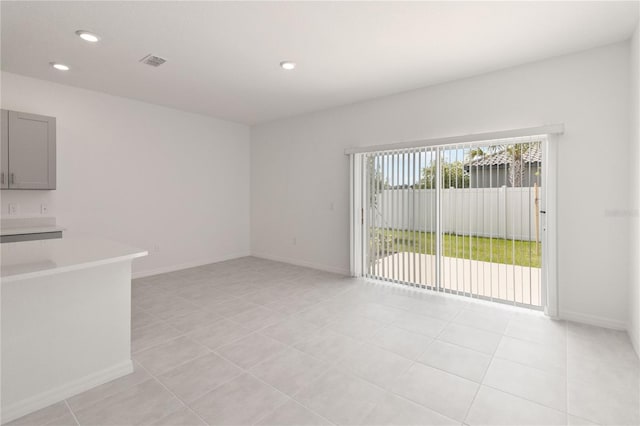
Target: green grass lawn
497,250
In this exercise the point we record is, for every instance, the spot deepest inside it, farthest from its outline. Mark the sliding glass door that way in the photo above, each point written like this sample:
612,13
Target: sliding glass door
462,219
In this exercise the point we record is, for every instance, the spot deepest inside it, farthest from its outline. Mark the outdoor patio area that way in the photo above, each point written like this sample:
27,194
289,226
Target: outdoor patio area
470,277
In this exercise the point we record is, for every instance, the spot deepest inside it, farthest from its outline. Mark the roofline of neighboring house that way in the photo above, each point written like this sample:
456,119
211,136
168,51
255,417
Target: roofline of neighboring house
466,166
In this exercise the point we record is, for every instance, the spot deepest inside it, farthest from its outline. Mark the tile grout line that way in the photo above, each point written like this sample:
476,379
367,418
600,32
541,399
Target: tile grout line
480,384
448,322
512,394
184,404
413,362
244,371
484,375
315,304
72,413
248,372
185,334
525,399
329,366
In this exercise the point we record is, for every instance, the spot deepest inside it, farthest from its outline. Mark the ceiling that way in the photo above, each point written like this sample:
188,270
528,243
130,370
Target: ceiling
223,57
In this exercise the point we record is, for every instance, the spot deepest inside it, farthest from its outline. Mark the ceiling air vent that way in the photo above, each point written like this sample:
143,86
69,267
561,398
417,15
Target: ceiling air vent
153,60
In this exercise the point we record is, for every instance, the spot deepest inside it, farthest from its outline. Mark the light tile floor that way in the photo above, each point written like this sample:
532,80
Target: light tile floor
251,341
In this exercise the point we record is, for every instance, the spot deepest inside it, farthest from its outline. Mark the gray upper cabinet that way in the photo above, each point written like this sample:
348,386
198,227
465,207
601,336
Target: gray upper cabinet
31,151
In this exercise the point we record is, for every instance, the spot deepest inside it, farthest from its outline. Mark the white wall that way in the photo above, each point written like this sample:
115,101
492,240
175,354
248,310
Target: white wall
140,174
634,261
299,173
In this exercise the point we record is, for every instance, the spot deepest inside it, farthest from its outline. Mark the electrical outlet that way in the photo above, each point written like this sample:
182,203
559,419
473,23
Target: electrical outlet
44,209
295,241
156,248
331,206
13,209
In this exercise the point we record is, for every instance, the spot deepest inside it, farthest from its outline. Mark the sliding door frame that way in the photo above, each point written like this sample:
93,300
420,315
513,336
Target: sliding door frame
358,220
356,207
549,234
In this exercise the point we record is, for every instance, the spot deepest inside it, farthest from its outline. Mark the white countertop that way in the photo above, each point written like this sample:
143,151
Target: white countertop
30,230
29,259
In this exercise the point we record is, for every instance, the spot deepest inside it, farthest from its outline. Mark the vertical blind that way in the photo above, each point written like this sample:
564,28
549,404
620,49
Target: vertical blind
462,219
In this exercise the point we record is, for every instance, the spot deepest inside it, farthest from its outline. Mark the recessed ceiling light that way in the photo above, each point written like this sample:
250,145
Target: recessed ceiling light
287,65
87,36
59,67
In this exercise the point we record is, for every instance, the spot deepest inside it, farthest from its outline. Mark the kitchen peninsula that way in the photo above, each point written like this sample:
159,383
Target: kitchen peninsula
66,319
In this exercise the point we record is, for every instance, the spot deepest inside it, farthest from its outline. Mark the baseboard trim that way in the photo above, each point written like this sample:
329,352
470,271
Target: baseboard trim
187,265
44,399
592,320
304,263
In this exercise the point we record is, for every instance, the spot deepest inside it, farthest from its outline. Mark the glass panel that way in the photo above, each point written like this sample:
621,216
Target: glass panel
486,206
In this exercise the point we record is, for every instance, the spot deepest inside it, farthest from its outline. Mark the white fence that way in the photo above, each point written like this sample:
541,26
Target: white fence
497,212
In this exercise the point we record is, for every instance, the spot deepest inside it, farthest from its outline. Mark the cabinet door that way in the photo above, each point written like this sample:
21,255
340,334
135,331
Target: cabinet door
4,153
32,151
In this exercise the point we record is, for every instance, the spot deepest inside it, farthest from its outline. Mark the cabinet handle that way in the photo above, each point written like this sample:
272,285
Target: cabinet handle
2,178
12,178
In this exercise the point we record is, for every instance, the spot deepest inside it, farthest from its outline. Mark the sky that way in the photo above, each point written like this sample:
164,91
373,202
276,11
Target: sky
403,169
